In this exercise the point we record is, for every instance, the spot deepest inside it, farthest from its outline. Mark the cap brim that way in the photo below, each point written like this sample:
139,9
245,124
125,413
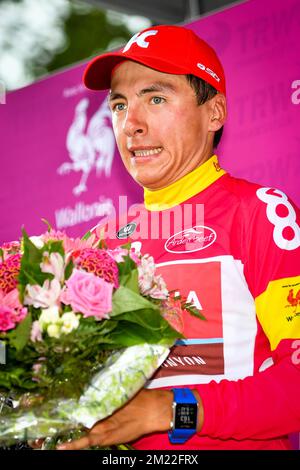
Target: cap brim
97,75
98,72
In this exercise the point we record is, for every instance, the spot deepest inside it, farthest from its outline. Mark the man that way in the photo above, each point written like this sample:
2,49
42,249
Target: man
228,245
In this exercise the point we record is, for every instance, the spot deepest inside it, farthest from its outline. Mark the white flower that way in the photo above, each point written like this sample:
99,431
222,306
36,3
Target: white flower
151,284
37,241
54,331
70,322
49,316
54,264
51,321
159,289
36,332
146,272
45,296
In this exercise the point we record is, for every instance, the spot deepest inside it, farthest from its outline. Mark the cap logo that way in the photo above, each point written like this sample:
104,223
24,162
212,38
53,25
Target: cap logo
139,39
209,71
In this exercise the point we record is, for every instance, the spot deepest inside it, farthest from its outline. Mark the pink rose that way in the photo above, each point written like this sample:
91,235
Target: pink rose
7,321
11,299
88,294
11,311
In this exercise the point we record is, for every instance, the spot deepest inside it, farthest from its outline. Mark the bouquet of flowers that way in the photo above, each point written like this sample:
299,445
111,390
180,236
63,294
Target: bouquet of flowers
82,328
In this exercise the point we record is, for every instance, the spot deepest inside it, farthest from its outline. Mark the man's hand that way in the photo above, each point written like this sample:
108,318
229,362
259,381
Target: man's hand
148,411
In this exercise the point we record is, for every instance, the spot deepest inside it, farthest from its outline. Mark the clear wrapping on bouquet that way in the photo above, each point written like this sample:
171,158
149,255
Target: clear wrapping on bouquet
124,373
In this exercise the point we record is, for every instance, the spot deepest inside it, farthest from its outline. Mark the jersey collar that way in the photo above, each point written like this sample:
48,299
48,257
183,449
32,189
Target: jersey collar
185,188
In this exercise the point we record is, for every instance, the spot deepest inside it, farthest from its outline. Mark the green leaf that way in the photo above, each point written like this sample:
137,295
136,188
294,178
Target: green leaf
126,246
150,319
30,272
194,311
129,334
54,246
31,252
126,266
87,235
102,245
125,300
69,269
130,280
49,226
32,277
19,337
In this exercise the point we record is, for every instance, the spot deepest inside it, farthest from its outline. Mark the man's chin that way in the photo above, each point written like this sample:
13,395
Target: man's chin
149,182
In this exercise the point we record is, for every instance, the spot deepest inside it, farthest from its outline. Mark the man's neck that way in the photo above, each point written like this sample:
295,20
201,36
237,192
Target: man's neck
185,187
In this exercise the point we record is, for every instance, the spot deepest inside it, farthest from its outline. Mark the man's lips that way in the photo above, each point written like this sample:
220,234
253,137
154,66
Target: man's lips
145,151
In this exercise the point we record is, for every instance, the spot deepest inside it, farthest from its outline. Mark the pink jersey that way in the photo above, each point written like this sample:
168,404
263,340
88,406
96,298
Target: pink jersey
233,249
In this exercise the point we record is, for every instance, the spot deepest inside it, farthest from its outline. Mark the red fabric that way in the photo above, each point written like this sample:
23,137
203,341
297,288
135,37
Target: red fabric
245,407
169,49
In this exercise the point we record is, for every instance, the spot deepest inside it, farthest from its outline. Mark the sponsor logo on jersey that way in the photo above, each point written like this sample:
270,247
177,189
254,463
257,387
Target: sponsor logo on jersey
193,239
201,352
126,231
282,215
293,299
206,358
293,304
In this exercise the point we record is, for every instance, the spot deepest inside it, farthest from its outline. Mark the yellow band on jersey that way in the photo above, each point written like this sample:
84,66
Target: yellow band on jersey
278,310
184,188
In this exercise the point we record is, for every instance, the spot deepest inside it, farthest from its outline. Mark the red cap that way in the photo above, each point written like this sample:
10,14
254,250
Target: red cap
169,49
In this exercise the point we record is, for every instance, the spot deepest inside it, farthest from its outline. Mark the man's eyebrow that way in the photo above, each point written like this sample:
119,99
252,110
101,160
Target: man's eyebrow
115,96
156,86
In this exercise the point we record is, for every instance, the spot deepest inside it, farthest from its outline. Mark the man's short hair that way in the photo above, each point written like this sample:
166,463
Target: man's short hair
204,92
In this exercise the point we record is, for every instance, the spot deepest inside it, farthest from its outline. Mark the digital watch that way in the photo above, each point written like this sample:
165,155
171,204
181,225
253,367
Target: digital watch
185,410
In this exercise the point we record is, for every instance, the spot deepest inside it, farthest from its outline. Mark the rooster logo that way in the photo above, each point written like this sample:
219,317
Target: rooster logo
89,145
293,301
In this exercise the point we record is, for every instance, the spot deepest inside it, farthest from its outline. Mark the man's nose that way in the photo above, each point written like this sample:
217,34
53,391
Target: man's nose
134,123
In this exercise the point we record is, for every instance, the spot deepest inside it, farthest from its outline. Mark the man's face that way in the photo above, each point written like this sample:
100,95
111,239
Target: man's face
161,132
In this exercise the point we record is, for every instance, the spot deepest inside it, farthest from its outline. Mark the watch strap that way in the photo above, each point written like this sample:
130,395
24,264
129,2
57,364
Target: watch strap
182,396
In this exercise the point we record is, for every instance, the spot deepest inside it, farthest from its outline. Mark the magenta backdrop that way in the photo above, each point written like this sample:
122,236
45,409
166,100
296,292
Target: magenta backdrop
258,42
54,132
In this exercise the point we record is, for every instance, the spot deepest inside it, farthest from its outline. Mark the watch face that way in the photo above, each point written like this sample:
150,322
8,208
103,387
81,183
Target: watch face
186,416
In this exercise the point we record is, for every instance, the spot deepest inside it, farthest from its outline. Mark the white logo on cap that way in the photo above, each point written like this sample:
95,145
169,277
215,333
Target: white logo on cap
139,39
209,71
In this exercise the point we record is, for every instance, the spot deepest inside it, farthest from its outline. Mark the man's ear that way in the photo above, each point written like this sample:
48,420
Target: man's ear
218,112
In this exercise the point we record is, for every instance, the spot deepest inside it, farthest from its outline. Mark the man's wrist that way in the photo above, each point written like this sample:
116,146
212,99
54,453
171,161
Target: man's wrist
161,410
164,410
200,417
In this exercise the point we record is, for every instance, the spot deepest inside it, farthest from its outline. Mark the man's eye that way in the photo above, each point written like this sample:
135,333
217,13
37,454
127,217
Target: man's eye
157,100
119,107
